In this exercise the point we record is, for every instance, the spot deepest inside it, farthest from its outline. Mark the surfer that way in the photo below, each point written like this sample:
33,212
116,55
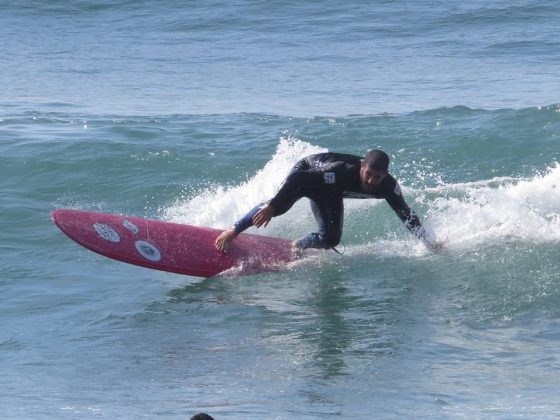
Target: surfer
326,179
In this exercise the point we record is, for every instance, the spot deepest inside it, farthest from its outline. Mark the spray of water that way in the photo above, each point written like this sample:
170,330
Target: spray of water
220,206
497,210
463,215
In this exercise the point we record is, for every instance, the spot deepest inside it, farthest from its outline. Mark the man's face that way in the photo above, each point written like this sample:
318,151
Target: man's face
371,178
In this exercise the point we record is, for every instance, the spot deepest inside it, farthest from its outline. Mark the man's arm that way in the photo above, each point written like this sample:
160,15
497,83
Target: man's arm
407,216
258,216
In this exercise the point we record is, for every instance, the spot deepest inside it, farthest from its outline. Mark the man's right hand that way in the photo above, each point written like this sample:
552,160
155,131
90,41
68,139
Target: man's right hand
222,241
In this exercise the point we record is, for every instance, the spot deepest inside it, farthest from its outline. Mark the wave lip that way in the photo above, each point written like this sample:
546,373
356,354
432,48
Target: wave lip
498,209
461,214
220,206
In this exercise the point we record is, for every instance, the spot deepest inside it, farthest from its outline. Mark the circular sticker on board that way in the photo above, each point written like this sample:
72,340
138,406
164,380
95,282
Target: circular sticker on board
148,251
131,226
107,232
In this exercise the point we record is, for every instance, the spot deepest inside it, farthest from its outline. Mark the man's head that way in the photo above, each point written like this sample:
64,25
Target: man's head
374,169
202,416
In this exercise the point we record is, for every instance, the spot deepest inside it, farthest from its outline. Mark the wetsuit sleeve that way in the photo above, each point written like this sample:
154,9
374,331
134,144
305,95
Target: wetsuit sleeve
247,221
408,217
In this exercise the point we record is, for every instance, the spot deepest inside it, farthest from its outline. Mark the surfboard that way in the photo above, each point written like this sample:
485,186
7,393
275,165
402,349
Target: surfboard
177,248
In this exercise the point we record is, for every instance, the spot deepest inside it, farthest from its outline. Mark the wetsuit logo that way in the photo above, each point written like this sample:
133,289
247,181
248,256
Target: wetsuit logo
329,177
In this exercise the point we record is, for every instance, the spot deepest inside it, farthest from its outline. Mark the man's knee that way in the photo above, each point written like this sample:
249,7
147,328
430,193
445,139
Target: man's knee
330,239
324,240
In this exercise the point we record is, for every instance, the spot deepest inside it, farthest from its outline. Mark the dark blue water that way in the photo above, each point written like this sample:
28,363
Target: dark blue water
293,58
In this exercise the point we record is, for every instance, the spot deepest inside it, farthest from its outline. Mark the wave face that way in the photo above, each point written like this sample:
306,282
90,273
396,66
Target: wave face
472,329
194,112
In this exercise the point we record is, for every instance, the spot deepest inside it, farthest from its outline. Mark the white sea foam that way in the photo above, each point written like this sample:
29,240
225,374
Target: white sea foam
461,214
221,206
497,210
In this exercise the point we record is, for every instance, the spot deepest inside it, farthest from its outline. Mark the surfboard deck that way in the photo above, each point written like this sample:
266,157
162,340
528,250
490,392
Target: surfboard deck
177,248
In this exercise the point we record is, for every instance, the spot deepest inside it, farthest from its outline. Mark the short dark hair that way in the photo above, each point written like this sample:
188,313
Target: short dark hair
377,159
201,416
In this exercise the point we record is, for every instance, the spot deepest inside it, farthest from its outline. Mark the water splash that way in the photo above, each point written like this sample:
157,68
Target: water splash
463,215
498,210
220,206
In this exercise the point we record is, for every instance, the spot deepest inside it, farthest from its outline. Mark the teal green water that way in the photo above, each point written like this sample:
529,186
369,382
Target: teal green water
194,112
389,329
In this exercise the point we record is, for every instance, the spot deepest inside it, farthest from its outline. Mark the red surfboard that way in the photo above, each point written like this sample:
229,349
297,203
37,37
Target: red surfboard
173,247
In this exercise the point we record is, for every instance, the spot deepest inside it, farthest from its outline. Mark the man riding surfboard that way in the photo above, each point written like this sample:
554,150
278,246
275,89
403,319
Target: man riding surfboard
326,179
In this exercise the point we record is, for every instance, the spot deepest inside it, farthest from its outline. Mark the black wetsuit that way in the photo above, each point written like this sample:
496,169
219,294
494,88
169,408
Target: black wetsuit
326,179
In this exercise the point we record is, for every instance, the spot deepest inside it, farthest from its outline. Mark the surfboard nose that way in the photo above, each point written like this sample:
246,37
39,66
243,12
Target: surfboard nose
57,215
60,216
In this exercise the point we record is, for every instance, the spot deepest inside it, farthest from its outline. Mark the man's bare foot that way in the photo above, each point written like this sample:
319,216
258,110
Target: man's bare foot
222,241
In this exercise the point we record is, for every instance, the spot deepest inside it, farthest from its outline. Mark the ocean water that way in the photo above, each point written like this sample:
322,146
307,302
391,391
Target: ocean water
194,111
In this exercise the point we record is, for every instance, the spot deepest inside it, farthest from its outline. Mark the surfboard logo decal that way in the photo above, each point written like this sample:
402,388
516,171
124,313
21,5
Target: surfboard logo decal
131,227
107,232
148,251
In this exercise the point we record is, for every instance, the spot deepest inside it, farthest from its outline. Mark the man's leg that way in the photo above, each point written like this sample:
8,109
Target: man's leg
329,213
290,196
